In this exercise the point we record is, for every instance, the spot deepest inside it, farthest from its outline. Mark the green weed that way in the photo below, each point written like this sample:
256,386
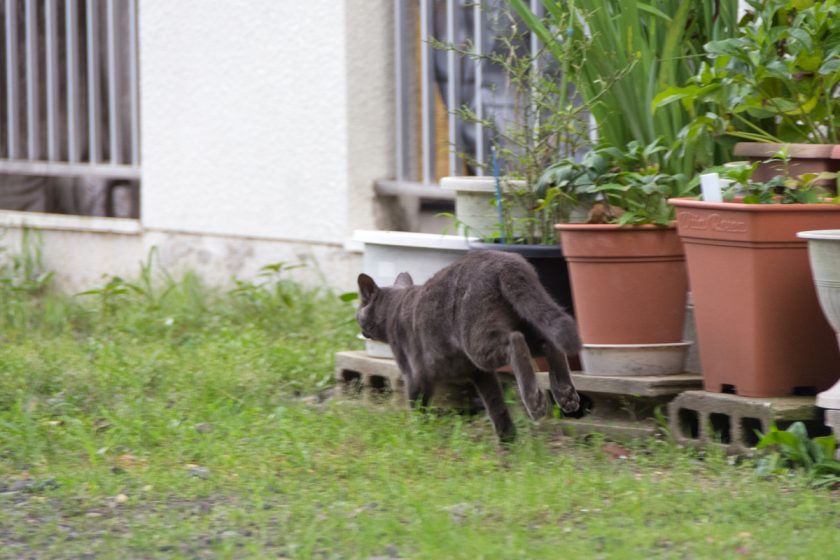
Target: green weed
166,421
794,449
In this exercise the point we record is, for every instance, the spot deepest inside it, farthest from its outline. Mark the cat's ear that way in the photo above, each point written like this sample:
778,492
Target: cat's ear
403,280
367,287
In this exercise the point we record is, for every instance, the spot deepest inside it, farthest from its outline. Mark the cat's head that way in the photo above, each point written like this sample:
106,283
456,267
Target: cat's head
373,311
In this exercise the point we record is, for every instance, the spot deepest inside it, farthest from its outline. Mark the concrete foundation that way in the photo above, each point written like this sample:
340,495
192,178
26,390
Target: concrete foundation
704,419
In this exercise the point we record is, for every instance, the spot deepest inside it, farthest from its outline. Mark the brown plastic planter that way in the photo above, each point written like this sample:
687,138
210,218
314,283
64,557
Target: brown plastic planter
629,284
760,329
805,158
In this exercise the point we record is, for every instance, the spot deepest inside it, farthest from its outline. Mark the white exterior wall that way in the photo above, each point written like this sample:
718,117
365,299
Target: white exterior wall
244,128
263,125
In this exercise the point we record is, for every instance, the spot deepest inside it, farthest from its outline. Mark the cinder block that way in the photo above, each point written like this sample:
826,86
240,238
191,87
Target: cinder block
374,380
621,407
704,419
379,381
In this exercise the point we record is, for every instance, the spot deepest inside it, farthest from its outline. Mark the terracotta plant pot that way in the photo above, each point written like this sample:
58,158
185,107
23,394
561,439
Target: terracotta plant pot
628,283
760,329
804,158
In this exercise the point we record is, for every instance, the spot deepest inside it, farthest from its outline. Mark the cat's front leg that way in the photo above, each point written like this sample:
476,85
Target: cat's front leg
413,389
419,392
417,389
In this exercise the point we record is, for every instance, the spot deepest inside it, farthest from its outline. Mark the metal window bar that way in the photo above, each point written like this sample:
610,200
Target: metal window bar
430,79
12,99
69,81
478,38
72,68
401,86
452,90
427,93
418,86
33,113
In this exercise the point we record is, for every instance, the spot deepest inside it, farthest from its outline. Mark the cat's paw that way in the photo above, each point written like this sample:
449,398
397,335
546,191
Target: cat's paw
568,399
538,406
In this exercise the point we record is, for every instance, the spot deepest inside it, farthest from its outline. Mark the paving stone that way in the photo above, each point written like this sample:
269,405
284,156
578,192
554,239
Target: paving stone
703,419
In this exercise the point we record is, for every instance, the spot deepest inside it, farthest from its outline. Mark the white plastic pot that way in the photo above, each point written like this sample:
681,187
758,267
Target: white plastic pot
824,254
387,253
475,206
376,349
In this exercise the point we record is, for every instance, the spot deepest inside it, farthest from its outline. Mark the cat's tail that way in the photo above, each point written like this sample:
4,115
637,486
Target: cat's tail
535,306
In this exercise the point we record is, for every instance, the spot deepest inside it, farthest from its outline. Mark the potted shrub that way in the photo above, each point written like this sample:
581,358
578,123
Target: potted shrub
627,265
759,326
774,83
628,53
504,208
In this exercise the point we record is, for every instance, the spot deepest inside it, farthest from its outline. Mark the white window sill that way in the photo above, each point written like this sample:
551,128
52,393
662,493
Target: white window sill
37,220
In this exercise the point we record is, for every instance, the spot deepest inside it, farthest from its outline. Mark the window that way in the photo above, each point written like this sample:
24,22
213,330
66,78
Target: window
69,131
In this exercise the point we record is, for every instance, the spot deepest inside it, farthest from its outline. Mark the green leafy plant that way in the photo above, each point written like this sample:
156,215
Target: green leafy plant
150,292
111,293
775,81
23,272
632,51
24,281
629,183
807,188
271,289
794,449
547,121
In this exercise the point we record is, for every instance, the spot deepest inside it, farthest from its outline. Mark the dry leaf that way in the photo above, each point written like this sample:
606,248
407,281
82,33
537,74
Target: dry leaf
615,451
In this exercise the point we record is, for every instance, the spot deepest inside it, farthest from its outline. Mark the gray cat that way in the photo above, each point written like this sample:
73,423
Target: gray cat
483,312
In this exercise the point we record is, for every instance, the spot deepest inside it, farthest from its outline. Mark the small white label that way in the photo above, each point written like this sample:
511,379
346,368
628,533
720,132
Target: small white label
710,185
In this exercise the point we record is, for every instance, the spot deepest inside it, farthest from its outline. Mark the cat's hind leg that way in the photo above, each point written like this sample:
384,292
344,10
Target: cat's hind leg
560,380
523,369
490,391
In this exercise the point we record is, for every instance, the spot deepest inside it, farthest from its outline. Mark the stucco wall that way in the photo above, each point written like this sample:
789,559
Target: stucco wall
84,252
263,126
247,121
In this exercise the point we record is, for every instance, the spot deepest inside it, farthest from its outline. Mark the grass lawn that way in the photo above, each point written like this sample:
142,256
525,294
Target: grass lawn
180,423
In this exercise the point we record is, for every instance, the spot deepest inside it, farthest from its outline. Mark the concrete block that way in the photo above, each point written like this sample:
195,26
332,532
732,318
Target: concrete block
704,419
379,381
623,407
620,407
